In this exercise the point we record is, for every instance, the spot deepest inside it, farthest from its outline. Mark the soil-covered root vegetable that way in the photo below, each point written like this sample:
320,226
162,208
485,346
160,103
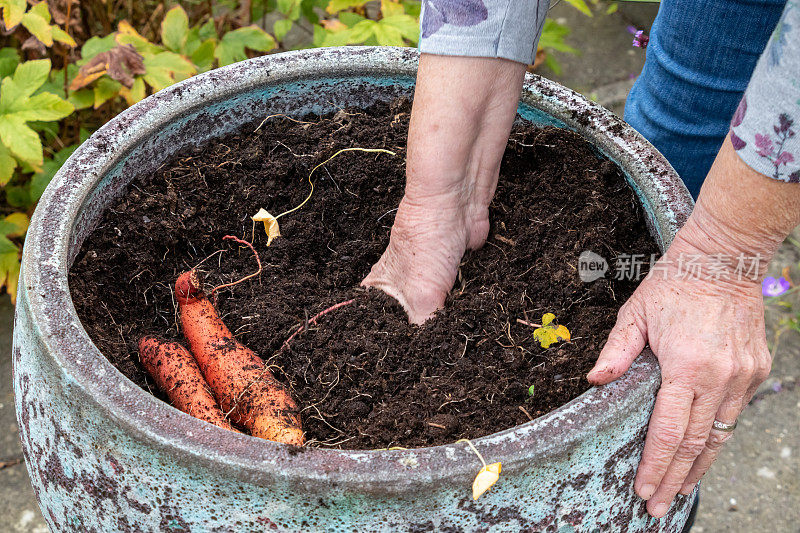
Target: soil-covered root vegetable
241,382
176,373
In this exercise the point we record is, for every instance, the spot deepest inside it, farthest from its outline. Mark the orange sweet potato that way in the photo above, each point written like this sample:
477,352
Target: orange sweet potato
177,375
241,382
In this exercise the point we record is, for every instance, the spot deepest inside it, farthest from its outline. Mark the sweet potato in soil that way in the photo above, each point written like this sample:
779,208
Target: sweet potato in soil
242,384
176,373
362,376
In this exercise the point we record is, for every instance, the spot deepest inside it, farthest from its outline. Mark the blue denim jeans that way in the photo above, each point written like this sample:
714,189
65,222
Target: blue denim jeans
699,60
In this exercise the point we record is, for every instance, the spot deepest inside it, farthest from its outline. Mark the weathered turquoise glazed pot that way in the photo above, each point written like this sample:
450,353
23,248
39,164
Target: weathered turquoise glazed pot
105,456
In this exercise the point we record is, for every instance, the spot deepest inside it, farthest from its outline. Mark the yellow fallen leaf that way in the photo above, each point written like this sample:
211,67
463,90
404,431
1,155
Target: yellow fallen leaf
487,476
270,224
550,333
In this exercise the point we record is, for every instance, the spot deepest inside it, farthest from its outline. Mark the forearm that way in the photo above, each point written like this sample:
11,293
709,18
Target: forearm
470,75
463,111
740,211
705,324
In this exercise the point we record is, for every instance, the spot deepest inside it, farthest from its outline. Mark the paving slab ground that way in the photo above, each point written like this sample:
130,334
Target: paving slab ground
753,487
18,509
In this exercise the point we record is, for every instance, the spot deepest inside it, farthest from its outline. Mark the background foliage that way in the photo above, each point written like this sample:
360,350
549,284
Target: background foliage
68,66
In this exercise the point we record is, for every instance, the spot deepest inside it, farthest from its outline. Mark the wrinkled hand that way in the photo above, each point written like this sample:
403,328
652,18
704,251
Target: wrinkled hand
463,111
428,239
708,335
710,342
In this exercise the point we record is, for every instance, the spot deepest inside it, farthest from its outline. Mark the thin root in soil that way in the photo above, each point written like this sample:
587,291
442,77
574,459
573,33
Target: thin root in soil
254,274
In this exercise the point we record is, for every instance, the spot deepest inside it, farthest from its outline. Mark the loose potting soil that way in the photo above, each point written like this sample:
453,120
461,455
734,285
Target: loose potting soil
363,377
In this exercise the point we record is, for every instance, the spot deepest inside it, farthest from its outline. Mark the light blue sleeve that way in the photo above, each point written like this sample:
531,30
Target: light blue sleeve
483,28
765,130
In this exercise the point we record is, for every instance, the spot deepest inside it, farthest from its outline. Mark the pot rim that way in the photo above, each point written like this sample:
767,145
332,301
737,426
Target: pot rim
46,296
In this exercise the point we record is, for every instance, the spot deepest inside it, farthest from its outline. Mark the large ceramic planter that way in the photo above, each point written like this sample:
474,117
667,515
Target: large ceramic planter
105,456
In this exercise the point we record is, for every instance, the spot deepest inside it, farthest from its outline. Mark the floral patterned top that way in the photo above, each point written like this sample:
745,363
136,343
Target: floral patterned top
497,28
764,130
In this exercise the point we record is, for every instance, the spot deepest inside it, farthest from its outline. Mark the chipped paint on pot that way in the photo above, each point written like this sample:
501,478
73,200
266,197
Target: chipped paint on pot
105,456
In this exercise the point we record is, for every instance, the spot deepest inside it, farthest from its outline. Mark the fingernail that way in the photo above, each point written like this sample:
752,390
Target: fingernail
593,373
647,490
687,489
660,509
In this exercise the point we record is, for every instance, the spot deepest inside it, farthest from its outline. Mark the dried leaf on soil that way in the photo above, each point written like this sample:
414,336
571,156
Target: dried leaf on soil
270,224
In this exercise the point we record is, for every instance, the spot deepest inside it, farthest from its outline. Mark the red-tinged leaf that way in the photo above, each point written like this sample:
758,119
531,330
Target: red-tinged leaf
121,63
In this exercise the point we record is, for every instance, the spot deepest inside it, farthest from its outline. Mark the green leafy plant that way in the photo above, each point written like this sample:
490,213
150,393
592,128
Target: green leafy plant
581,6
554,39
36,20
232,46
21,103
125,64
396,25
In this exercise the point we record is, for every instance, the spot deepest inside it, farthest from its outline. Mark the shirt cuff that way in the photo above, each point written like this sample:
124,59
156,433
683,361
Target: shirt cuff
508,29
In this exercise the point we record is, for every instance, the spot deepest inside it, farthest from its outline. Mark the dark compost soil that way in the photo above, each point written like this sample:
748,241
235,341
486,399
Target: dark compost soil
363,376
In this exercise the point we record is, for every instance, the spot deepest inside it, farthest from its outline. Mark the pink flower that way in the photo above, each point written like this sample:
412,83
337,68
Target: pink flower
764,144
640,40
784,158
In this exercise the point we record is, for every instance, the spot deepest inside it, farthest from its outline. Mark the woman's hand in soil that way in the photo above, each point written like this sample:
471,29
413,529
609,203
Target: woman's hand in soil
463,111
706,330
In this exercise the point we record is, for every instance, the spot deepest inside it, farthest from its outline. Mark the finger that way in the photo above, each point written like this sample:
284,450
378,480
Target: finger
728,412
703,409
749,373
625,342
761,372
664,434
